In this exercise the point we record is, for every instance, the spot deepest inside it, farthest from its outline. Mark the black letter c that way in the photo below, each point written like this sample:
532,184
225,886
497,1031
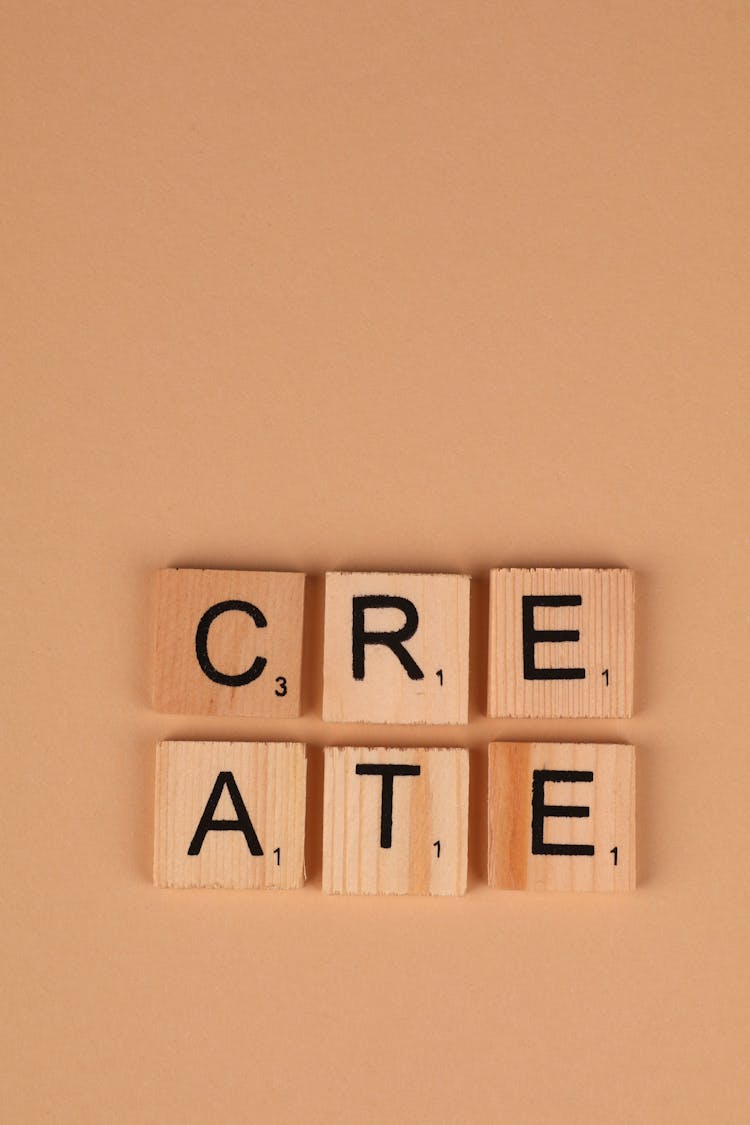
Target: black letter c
201,644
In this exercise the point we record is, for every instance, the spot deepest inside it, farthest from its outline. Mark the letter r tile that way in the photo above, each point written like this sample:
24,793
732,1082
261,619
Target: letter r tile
228,642
561,644
396,648
395,821
561,816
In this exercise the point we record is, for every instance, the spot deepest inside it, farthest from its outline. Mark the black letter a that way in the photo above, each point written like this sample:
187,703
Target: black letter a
242,824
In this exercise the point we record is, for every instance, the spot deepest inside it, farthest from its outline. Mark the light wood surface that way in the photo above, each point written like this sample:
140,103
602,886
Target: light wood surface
382,690
267,630
519,824
533,677
427,850
193,789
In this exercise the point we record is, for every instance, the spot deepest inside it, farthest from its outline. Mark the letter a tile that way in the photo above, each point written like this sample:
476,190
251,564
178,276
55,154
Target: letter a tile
395,821
561,644
396,648
230,814
228,642
561,816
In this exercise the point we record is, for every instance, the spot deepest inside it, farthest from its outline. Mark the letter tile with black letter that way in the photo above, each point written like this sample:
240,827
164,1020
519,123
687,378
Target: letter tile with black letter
561,816
395,821
228,642
230,814
561,643
396,648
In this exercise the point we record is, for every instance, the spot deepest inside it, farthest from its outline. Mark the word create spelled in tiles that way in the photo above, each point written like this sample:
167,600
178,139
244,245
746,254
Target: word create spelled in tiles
395,650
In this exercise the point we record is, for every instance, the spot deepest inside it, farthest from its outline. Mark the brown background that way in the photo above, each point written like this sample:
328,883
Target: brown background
364,285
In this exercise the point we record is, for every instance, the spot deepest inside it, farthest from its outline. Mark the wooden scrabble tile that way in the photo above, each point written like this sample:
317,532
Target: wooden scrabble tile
396,648
561,816
230,814
228,642
561,644
395,821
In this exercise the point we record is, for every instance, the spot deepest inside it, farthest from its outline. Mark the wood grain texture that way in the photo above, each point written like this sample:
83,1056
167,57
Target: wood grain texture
610,823
428,808
439,646
271,780
604,650
234,641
